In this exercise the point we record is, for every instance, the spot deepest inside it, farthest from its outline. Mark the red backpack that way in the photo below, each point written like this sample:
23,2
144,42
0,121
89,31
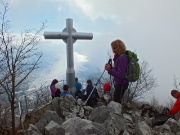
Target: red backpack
106,87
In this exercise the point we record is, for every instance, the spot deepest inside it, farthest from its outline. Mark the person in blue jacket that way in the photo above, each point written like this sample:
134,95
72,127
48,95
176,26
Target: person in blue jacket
79,93
65,91
78,85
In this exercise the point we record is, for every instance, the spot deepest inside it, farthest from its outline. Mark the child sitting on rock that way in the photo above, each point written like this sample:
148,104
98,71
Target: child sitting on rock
66,91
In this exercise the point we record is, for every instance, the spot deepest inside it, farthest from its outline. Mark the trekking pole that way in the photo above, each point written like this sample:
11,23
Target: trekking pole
109,62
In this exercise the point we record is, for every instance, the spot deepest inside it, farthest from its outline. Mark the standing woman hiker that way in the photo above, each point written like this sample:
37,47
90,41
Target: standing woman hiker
119,70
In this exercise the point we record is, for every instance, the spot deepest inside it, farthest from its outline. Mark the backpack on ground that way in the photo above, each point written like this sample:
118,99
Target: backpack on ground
133,68
161,118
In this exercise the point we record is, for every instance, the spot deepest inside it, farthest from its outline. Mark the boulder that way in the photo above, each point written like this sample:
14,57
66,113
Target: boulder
54,129
47,117
142,128
78,126
33,130
175,128
163,129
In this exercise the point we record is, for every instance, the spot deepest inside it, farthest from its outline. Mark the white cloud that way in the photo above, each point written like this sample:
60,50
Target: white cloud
106,9
80,58
121,11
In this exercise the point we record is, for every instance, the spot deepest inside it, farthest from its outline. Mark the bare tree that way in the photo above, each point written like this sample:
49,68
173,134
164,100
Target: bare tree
169,103
175,82
143,85
18,58
154,102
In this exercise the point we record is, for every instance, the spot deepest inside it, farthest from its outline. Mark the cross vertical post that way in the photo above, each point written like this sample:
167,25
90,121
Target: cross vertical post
69,36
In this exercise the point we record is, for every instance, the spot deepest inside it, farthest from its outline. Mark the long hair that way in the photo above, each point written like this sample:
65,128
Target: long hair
54,82
120,45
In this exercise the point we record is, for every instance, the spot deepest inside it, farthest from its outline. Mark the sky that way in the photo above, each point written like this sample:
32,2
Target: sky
151,28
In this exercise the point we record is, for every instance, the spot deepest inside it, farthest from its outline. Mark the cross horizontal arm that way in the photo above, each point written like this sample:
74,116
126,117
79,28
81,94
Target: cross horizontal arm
55,35
80,35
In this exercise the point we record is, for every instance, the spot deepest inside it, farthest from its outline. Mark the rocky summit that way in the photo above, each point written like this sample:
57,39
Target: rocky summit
67,116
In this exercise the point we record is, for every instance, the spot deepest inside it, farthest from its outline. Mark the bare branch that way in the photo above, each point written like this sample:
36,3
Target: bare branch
18,59
143,85
175,82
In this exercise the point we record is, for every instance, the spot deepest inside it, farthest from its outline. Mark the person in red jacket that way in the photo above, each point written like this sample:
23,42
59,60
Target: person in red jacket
176,107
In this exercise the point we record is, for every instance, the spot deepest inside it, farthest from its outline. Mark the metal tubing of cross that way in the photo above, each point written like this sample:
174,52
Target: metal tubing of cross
87,36
55,35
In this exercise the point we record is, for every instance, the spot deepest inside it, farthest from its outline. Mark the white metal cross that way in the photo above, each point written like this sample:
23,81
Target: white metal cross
69,36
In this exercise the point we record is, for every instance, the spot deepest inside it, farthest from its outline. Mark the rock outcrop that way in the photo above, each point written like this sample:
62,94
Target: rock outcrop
66,116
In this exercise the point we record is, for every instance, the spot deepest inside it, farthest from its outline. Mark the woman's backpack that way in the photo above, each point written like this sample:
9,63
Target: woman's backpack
133,68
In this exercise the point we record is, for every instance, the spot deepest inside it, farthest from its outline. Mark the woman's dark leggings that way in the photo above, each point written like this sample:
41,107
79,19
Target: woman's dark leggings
119,92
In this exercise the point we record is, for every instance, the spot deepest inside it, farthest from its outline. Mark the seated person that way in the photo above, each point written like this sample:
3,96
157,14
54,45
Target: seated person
92,99
176,107
55,92
66,91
